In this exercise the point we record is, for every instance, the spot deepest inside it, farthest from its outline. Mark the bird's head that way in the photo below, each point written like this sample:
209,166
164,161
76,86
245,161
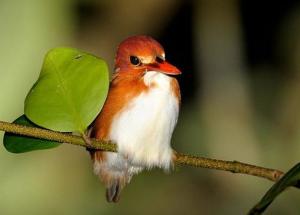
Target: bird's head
138,54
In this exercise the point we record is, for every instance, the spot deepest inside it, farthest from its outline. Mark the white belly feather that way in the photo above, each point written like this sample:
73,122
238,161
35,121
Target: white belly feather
144,128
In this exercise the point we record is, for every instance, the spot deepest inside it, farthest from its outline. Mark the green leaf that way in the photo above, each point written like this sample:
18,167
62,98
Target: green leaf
18,144
70,91
291,178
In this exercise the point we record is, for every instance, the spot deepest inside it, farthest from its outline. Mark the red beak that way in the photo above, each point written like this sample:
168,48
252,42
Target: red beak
163,67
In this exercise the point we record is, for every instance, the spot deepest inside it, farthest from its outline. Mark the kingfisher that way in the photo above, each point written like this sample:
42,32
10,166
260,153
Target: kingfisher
139,114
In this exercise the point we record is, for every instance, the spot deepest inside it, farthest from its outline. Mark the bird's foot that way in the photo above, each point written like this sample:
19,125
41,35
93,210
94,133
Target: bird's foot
88,141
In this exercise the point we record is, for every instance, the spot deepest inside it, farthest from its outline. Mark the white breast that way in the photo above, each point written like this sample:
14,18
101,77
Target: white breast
144,128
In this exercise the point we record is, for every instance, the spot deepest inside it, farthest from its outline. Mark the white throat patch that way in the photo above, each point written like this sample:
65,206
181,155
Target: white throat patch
163,81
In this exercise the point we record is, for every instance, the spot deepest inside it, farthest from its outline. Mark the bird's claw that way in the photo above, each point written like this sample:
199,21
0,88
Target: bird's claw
88,142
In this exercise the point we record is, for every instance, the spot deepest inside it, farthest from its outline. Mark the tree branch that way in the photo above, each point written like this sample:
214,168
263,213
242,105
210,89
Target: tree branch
180,159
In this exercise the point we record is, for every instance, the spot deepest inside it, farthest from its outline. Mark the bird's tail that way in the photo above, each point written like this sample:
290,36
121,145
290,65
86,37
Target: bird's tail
114,181
113,191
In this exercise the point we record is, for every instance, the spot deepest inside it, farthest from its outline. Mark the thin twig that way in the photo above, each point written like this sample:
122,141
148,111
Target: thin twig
232,166
181,159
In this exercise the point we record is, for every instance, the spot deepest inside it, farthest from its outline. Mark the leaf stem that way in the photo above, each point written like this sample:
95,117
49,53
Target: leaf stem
180,159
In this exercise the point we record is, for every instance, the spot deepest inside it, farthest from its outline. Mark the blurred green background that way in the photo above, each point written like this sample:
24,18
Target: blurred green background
241,101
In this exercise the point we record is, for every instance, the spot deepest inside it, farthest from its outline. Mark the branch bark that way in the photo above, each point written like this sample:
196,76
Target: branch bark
180,159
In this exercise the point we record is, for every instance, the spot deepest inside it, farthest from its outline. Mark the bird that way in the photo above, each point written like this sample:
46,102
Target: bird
139,115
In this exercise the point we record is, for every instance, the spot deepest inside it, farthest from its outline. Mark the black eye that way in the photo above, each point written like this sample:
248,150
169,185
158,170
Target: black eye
135,60
159,59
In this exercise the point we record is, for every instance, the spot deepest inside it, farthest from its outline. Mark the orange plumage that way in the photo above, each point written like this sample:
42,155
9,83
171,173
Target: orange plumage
139,114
